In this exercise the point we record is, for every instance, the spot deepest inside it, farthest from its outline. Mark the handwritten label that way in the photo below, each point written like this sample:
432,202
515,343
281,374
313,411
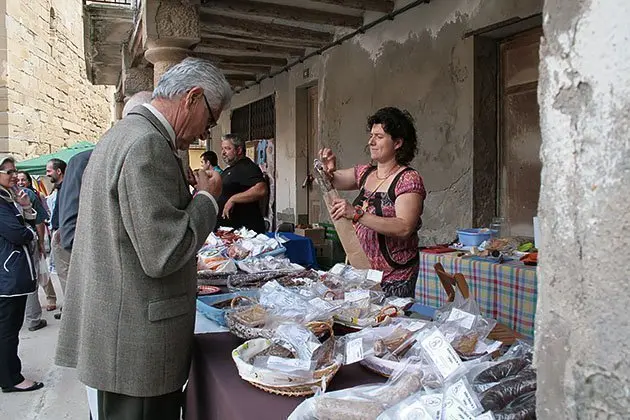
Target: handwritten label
375,276
356,295
354,351
441,353
464,319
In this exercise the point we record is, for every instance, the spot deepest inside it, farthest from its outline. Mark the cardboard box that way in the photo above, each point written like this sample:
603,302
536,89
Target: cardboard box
317,235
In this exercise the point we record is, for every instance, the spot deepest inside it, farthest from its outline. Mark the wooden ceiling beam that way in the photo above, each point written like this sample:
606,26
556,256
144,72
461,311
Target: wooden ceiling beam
383,6
245,77
281,42
249,47
266,32
243,59
236,83
244,68
280,11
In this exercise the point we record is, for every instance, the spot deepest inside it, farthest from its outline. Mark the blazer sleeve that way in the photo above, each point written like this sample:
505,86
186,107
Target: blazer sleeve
11,229
164,236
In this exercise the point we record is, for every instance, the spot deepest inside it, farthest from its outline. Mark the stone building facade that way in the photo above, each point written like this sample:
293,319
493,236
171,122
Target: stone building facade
46,101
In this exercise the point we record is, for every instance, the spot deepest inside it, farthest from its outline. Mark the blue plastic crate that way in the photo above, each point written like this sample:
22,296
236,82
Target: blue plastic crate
204,305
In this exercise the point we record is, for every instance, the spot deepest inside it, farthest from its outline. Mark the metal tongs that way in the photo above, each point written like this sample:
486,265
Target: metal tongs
321,177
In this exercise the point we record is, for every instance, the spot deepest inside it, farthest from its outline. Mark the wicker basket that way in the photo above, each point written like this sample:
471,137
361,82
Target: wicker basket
281,383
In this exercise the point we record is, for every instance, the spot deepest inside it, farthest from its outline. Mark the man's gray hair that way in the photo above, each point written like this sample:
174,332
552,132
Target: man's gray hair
191,73
139,98
235,140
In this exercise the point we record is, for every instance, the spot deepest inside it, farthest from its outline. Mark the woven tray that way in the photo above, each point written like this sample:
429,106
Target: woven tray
248,332
280,383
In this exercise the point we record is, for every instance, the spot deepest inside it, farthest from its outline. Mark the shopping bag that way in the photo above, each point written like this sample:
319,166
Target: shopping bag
43,275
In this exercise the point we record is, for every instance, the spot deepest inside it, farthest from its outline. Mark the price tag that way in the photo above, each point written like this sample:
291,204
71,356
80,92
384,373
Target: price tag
320,304
305,292
375,276
461,393
441,353
356,295
455,411
486,416
415,326
401,302
283,364
465,319
433,404
338,269
354,351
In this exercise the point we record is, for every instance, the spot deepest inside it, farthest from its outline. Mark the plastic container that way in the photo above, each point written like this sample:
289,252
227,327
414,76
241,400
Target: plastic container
474,237
204,305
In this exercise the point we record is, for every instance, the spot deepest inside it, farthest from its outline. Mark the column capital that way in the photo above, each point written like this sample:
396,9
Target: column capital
171,23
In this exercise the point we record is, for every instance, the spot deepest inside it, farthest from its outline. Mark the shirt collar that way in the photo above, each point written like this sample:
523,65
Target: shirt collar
165,123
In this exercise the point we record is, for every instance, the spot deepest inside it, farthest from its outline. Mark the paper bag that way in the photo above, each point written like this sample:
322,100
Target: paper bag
347,236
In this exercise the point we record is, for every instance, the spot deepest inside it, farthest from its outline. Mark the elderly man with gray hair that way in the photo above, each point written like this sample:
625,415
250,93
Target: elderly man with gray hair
129,316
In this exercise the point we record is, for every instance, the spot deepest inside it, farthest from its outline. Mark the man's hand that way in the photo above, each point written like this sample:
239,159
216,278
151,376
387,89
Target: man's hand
210,182
227,209
190,177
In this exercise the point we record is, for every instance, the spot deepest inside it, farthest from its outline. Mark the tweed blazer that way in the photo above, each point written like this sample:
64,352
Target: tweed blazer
129,314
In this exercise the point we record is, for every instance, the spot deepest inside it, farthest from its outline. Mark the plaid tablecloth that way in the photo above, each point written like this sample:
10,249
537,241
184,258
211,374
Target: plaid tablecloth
506,292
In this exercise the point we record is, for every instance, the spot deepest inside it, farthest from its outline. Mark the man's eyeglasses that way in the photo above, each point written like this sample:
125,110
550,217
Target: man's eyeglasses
211,121
9,172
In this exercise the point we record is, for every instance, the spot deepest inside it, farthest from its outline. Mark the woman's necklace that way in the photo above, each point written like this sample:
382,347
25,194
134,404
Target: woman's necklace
367,199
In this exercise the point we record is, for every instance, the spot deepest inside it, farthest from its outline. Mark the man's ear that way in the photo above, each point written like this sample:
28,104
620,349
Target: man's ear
195,94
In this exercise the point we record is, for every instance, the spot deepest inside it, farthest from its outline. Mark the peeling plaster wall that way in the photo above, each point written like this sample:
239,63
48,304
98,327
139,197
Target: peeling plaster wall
582,329
420,62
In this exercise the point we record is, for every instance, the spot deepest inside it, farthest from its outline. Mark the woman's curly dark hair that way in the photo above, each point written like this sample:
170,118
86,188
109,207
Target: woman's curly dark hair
398,124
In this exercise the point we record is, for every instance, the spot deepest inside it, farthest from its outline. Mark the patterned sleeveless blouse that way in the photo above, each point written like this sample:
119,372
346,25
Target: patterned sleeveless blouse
398,259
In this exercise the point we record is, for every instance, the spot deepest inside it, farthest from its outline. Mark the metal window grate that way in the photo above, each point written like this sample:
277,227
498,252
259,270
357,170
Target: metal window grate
255,121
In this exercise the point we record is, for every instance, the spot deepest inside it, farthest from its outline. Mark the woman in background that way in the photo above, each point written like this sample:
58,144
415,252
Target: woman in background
387,211
18,279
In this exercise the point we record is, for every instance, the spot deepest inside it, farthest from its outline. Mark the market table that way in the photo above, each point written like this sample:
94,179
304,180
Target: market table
300,250
506,292
216,391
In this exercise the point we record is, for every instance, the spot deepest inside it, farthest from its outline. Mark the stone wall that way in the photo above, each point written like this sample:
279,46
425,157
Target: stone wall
582,329
422,62
50,102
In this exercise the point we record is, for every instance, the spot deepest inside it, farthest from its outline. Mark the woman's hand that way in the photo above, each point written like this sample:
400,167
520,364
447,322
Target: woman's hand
341,208
329,160
22,199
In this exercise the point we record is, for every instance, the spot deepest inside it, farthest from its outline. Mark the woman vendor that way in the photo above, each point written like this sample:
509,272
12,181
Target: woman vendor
387,211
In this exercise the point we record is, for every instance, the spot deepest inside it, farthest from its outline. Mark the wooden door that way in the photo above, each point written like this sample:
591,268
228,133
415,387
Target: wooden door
519,132
314,195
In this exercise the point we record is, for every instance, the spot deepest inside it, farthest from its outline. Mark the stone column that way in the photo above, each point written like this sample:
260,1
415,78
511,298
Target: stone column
582,327
171,30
